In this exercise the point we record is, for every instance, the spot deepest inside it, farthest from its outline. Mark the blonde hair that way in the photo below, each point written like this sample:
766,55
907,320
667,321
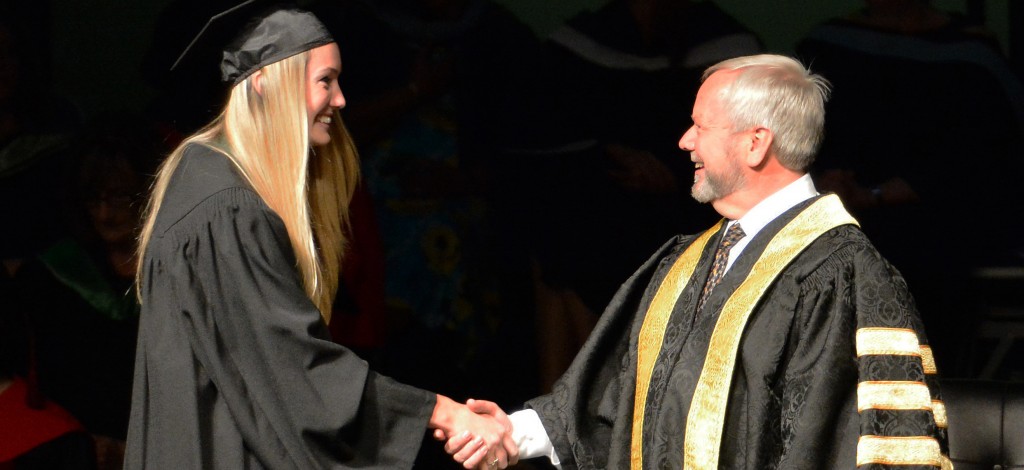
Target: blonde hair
266,136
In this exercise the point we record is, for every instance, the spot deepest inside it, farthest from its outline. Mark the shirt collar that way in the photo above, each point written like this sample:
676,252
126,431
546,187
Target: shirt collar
773,206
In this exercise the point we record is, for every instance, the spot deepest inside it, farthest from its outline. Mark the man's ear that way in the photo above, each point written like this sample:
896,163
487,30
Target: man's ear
760,143
257,82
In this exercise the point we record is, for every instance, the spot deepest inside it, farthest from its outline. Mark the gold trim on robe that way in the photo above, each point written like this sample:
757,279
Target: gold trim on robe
887,341
928,360
893,395
705,422
939,412
652,333
703,436
899,451
706,419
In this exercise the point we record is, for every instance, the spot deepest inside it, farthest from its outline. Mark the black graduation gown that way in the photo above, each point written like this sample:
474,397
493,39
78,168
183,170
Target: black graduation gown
235,367
793,399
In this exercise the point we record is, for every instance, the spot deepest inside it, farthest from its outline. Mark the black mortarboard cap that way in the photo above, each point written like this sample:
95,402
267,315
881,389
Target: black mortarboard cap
254,34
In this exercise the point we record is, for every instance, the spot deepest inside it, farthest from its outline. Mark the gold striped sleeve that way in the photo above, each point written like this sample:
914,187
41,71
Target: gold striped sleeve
887,341
899,451
893,395
929,360
939,411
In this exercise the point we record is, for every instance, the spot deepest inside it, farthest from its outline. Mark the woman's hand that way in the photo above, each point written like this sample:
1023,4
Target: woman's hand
475,440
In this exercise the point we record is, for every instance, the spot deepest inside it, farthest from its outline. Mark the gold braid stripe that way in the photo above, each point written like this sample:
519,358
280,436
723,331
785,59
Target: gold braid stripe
899,451
652,333
887,341
704,424
946,463
894,395
928,360
939,411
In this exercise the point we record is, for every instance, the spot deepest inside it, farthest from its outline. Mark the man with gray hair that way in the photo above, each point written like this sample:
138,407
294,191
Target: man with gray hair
778,338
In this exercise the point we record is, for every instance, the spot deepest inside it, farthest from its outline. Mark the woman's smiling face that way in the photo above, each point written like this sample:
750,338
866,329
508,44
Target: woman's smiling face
323,92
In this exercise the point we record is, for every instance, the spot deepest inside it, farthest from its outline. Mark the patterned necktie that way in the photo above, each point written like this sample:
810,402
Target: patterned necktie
733,235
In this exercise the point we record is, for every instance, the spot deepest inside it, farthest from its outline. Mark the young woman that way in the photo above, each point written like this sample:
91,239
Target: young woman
239,262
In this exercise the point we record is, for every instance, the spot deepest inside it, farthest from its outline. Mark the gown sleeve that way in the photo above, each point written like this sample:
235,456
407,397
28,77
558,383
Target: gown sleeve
902,416
295,397
860,388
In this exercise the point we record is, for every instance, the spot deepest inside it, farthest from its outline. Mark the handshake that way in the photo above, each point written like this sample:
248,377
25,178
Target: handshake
477,434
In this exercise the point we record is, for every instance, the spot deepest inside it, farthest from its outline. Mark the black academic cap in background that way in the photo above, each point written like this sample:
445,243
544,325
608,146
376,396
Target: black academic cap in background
251,35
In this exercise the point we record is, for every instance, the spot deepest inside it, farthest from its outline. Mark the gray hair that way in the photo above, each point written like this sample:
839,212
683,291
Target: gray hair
778,93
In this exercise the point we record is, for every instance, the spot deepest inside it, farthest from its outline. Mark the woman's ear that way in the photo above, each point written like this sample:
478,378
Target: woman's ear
257,82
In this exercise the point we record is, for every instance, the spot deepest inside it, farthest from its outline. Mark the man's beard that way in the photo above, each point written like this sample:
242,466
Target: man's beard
717,186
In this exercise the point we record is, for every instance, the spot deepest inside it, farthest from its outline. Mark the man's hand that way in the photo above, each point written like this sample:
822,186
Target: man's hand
475,440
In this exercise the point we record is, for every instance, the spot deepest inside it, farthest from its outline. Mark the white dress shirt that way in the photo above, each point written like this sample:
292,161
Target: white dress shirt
768,210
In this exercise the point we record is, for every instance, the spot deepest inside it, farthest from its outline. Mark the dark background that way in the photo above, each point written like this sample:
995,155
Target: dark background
96,48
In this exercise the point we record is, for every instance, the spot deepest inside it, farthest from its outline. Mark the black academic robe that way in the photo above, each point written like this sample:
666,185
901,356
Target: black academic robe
235,367
793,398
